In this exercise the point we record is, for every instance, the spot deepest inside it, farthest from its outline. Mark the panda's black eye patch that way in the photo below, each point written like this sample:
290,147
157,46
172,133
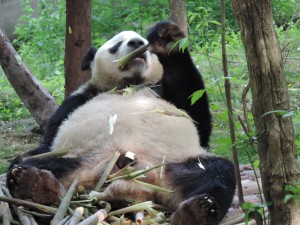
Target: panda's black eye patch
115,48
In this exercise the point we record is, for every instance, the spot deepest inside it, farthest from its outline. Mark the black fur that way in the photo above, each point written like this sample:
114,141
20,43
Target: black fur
68,106
88,58
38,177
136,43
213,176
181,79
59,166
115,48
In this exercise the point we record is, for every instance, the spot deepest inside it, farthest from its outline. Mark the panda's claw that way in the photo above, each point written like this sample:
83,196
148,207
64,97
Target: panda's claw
199,209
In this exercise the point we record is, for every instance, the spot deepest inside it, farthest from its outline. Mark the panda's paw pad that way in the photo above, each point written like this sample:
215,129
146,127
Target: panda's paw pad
208,208
201,209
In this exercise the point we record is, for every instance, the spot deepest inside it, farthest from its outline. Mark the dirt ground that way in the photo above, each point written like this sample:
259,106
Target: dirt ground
16,137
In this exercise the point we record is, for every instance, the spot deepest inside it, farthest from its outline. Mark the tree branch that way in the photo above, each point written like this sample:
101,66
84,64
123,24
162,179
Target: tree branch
36,99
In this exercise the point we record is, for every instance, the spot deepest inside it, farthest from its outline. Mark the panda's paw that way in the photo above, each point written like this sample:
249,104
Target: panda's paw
199,209
35,185
163,36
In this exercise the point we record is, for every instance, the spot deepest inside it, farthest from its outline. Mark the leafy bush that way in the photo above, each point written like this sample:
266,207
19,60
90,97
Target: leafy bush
41,38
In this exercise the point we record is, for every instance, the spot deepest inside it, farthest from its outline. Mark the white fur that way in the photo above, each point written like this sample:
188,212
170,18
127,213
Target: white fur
153,129
141,128
107,75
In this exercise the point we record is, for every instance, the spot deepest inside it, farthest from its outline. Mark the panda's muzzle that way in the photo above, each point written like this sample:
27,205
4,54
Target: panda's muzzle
139,59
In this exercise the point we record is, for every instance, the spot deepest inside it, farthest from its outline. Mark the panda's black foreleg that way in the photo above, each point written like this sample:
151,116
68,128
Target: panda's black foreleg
37,179
207,185
70,104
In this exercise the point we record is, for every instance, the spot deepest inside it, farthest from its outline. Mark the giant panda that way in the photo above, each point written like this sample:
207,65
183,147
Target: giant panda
155,129
105,76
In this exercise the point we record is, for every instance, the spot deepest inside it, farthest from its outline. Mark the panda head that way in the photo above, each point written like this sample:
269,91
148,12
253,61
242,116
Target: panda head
106,74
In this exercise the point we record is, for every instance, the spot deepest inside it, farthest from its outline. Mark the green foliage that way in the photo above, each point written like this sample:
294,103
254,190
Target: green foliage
204,32
250,207
182,45
41,38
40,44
113,16
283,11
293,192
11,107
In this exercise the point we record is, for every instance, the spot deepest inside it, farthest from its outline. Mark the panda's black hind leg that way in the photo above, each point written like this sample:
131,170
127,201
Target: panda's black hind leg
199,209
33,184
206,185
37,179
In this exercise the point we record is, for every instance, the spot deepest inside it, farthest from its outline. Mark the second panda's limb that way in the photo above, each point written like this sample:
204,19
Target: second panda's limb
204,176
181,78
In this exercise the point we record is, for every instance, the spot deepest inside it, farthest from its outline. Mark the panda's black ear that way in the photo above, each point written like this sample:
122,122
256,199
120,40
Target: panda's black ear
88,58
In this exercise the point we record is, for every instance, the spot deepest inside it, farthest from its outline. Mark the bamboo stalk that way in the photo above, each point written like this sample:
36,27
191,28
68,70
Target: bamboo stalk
107,171
51,154
33,213
101,196
75,219
31,205
135,174
23,217
32,220
123,61
5,214
134,208
152,187
122,172
139,217
63,221
99,216
64,205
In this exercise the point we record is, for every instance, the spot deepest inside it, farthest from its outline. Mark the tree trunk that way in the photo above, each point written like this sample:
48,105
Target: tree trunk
275,134
36,99
178,14
78,41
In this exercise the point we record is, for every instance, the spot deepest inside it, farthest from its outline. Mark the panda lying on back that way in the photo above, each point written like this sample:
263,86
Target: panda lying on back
202,185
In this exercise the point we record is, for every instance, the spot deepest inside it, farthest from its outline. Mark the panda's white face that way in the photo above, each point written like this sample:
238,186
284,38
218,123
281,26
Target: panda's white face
107,75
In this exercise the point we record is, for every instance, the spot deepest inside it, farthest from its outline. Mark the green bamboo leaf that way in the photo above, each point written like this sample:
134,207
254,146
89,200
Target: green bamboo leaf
196,96
183,44
174,46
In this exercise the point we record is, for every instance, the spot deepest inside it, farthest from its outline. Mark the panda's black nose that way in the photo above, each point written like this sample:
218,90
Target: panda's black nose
136,43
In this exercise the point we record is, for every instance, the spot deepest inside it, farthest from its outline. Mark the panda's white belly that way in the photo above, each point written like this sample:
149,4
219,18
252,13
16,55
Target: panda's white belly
145,125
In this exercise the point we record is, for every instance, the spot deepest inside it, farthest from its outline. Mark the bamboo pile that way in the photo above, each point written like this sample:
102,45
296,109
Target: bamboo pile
82,207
